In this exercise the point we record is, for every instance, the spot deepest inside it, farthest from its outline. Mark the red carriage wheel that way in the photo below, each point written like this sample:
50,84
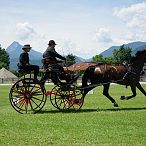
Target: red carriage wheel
77,100
26,96
52,94
69,97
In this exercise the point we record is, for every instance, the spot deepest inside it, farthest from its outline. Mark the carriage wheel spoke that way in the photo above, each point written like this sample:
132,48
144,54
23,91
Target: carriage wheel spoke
38,105
36,98
31,106
22,104
26,106
35,94
36,89
62,102
34,102
32,87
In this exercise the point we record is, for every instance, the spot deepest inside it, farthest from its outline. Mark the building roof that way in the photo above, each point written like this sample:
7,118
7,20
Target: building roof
5,74
80,66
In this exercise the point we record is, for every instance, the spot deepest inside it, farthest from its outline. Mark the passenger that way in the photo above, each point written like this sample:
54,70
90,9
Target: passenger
24,64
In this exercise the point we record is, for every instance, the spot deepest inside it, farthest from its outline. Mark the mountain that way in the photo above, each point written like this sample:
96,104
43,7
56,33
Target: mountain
139,49
79,59
135,46
14,51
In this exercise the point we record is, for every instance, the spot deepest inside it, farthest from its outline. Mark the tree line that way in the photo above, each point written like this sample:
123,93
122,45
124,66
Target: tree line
119,55
4,58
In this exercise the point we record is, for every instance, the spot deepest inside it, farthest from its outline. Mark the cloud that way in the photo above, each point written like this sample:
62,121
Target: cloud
103,35
24,31
134,15
134,18
66,46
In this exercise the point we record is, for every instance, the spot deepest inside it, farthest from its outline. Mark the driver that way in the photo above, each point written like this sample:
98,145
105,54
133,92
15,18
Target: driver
50,59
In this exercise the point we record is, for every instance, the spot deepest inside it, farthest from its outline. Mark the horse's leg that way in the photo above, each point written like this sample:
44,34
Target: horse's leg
133,89
105,92
141,89
87,89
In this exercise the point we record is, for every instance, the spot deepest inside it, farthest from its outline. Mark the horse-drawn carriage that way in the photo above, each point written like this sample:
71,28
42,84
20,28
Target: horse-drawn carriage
27,96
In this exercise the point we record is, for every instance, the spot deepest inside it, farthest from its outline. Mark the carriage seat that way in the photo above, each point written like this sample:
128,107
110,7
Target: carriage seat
22,72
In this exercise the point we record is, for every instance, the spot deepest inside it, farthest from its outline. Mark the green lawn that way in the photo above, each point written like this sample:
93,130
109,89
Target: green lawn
97,124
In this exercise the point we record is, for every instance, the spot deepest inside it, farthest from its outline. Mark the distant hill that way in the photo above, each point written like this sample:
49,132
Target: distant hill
79,59
15,49
135,46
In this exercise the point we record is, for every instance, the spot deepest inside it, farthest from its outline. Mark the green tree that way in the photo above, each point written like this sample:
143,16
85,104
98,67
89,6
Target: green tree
122,54
109,60
70,60
98,58
4,58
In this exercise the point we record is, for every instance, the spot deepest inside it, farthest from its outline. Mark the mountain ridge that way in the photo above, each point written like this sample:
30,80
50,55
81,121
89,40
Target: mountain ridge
15,49
135,46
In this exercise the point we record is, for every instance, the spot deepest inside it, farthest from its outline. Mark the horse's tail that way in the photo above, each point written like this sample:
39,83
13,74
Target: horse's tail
87,76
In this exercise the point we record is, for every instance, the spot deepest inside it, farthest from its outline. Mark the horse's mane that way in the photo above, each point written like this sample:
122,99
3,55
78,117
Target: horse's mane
138,53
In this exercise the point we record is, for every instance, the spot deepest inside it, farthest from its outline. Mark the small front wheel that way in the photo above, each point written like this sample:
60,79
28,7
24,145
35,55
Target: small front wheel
53,95
69,97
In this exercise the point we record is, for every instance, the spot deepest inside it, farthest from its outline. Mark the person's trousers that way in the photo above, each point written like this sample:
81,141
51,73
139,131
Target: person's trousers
30,68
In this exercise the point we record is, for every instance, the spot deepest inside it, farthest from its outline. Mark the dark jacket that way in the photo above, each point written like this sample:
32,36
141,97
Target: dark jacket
52,55
23,59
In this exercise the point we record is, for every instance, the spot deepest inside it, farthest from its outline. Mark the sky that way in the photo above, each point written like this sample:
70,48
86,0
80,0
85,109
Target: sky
82,27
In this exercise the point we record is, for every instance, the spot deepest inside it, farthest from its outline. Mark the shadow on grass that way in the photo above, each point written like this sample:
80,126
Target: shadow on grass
68,111
125,109
91,110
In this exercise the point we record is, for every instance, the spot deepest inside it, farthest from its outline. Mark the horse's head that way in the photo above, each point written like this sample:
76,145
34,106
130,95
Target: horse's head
141,55
145,54
138,60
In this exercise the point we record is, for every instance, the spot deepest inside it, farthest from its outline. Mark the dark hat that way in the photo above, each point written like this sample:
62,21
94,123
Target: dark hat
52,42
26,47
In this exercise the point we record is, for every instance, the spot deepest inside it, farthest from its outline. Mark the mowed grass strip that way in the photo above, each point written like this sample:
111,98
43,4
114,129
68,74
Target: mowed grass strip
98,122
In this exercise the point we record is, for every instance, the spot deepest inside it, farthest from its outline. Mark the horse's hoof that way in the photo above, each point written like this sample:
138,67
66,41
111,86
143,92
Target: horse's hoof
122,97
116,105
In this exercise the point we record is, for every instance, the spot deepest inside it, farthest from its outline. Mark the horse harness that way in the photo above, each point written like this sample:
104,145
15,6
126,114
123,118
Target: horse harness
131,70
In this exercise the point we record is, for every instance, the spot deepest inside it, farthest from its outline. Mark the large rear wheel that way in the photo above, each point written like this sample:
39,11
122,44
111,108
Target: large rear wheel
26,96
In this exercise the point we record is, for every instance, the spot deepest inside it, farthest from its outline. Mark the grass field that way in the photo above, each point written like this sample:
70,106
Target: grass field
97,124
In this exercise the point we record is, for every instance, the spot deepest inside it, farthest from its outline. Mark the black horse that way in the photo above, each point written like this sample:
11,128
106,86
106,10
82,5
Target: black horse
125,75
